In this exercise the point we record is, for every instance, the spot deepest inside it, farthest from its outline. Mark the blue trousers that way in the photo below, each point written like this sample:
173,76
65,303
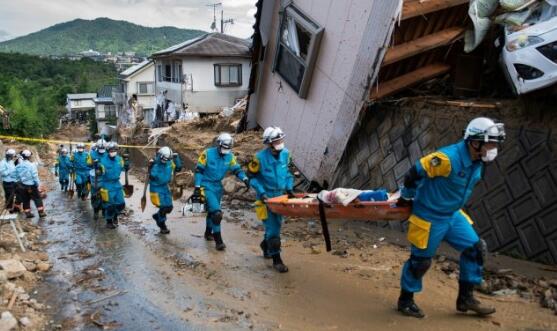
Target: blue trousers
64,179
81,182
161,197
272,226
457,232
213,195
115,203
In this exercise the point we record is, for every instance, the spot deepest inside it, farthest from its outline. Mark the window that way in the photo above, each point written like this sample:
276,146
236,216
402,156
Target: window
168,73
110,111
145,88
228,75
297,47
159,73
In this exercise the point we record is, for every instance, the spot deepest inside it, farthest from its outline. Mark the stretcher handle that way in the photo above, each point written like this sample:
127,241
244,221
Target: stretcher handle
324,226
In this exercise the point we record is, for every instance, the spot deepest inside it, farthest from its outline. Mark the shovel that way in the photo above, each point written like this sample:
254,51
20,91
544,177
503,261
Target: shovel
144,197
71,190
128,189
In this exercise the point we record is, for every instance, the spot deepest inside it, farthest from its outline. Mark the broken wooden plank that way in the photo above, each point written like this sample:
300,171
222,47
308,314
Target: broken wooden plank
416,8
399,83
465,104
423,44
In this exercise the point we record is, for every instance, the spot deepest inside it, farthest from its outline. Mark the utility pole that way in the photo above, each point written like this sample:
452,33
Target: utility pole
214,24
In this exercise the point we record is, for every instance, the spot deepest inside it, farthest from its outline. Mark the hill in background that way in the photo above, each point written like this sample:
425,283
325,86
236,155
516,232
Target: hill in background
102,34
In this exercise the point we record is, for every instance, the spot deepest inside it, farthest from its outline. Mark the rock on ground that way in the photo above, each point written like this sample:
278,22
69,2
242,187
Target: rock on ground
13,268
7,322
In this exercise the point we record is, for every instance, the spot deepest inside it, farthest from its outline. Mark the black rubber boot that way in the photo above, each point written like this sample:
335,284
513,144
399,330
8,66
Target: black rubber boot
208,234
219,244
42,214
110,224
29,214
278,264
265,249
164,229
407,306
466,301
115,220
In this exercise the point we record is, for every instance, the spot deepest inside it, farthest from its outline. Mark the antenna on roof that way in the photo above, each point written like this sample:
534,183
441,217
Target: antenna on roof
214,24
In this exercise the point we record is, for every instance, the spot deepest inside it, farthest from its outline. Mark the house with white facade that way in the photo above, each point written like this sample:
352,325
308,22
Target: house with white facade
204,74
105,110
79,105
137,81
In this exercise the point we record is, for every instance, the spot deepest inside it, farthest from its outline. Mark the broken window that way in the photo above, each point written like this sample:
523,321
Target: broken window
145,88
228,74
297,48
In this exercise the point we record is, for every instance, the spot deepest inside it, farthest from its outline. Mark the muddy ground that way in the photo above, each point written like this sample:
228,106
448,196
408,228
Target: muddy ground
132,278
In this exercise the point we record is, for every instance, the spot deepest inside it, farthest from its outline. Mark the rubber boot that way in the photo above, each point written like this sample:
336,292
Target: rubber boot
115,220
265,250
466,301
164,229
208,234
42,214
407,306
110,224
29,214
278,264
219,244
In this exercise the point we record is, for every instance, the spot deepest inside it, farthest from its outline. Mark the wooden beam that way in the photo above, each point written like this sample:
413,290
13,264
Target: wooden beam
423,44
422,7
400,83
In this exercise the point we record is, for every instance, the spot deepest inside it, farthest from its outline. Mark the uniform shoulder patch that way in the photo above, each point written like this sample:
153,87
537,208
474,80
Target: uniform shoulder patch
435,161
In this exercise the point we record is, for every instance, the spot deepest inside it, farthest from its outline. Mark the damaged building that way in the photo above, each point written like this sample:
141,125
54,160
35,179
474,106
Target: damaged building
355,87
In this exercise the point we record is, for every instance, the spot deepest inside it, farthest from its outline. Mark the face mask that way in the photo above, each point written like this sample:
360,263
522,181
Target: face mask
225,151
112,154
279,147
80,150
490,155
102,150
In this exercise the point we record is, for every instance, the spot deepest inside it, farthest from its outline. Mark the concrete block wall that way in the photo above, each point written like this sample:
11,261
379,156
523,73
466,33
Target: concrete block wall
514,207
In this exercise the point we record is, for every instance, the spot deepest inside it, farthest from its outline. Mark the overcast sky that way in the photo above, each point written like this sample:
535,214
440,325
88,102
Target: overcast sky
21,17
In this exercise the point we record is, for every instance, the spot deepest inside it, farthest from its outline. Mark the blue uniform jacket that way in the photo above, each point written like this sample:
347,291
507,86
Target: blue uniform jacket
27,173
63,165
161,175
80,162
111,170
212,167
7,171
448,179
271,175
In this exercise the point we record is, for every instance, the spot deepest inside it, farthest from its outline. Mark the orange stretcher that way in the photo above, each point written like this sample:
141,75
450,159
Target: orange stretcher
358,210
363,211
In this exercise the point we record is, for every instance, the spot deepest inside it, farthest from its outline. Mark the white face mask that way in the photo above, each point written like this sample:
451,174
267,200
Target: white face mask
490,155
225,151
102,150
80,150
112,154
279,147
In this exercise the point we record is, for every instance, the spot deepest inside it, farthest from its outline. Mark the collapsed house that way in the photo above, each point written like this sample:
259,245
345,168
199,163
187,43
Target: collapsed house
324,71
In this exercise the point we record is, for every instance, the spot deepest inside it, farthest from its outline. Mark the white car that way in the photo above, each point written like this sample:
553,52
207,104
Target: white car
529,56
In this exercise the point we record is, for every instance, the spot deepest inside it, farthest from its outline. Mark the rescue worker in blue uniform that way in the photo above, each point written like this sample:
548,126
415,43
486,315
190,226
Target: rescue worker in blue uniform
438,186
112,194
212,166
97,153
81,168
9,180
63,169
28,180
270,176
161,172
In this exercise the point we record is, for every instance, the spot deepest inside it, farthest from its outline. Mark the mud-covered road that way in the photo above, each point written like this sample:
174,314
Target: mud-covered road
132,278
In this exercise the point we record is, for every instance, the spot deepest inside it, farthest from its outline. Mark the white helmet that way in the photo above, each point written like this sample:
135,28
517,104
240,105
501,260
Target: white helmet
10,152
26,153
80,145
225,140
272,134
101,144
64,151
165,153
112,146
486,130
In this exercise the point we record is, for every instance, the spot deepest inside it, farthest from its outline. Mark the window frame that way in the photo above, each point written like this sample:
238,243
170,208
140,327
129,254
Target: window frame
149,92
218,82
316,32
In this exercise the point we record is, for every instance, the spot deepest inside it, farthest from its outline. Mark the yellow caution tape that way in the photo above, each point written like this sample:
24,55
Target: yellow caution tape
63,142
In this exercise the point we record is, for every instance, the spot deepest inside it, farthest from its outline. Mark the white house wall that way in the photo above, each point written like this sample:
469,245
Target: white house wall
146,75
202,95
319,126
